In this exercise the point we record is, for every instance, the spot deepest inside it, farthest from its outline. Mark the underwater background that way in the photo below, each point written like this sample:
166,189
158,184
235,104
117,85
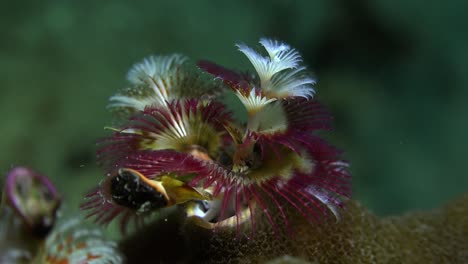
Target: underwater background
393,73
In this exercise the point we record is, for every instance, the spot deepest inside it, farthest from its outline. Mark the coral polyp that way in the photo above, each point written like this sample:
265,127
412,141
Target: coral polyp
179,145
29,232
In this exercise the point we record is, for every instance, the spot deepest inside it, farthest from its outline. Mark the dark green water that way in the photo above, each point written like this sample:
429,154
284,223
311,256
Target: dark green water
393,74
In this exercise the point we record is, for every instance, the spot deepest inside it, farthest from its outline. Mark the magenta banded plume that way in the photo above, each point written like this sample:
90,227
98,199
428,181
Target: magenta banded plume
181,125
181,148
297,168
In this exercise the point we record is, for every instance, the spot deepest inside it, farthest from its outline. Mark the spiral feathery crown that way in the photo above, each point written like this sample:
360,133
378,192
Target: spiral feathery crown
180,145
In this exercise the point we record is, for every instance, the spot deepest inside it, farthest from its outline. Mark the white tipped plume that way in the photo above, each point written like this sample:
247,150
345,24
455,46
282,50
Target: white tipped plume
281,74
154,67
157,80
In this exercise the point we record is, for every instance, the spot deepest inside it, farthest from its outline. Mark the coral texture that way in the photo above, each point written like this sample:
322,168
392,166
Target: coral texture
439,236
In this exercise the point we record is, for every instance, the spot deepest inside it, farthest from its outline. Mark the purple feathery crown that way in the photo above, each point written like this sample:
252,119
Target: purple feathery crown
176,144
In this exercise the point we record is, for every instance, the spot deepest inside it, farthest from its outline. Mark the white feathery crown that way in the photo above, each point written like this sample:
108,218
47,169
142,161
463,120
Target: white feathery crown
157,80
154,67
254,102
281,74
158,73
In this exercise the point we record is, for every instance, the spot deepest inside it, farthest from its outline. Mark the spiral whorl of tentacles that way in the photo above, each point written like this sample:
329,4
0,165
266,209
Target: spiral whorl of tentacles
175,143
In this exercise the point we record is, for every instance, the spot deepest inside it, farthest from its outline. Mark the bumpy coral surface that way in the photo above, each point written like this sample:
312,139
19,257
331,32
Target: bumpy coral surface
439,236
